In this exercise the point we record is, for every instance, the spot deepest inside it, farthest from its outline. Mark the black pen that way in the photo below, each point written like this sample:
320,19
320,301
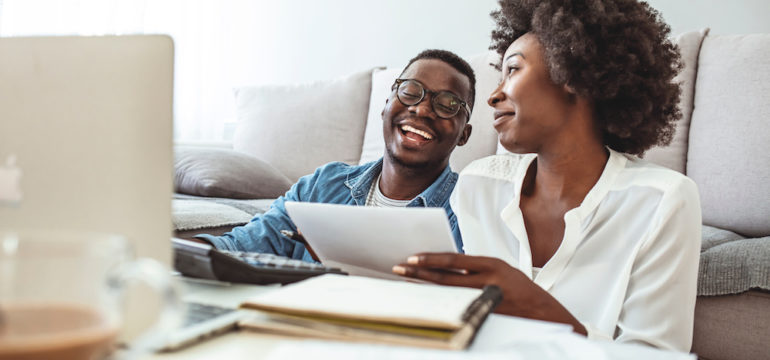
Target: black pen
297,236
292,235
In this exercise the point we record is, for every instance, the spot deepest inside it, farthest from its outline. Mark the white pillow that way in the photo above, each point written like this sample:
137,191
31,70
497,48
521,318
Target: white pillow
483,141
374,144
297,128
674,156
729,152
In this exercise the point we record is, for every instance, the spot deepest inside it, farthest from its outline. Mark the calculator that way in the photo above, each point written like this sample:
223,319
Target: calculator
203,261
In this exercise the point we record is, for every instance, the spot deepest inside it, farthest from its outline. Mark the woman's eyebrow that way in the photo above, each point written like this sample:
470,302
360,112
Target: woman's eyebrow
514,54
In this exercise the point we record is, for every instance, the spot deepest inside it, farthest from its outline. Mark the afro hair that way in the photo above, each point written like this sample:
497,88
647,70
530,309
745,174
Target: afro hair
614,52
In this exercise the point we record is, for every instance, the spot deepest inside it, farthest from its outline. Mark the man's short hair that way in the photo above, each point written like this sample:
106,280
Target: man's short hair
454,61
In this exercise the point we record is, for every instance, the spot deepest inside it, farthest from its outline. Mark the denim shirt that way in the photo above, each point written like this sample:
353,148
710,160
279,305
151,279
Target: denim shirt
333,183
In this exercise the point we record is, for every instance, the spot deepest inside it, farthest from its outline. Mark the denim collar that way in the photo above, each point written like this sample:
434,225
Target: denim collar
434,196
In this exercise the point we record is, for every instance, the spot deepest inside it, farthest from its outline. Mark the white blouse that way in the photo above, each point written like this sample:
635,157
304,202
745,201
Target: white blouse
627,266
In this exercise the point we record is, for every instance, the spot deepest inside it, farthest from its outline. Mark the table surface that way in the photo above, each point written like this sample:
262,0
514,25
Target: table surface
532,339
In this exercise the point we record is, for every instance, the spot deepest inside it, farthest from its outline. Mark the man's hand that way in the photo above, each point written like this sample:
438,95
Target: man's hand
297,236
521,296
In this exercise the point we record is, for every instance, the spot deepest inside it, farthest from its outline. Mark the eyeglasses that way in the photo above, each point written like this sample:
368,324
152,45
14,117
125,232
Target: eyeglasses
445,104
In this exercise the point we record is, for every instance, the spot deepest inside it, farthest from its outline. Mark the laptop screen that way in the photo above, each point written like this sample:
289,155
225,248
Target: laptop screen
86,137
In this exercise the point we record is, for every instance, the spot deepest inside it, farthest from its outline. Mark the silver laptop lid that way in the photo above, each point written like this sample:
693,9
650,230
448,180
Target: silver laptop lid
86,136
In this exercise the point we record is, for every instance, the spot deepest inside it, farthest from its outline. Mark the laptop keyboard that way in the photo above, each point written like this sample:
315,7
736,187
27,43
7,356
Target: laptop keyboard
198,313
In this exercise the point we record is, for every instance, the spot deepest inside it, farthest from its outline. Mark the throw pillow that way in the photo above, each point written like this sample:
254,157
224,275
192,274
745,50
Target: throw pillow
483,141
297,128
674,156
374,145
226,173
729,151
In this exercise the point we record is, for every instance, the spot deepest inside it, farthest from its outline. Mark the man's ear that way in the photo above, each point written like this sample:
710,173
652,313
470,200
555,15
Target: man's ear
383,108
465,135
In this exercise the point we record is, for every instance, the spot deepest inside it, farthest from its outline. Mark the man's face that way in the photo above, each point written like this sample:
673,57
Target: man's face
415,136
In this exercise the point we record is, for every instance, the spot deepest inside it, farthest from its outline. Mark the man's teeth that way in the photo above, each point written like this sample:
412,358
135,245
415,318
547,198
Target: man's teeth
416,131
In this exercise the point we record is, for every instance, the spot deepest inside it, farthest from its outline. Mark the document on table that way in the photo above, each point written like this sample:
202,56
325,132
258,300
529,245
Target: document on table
368,241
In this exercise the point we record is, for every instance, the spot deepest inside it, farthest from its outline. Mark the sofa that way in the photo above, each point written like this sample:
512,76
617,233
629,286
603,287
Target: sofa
722,143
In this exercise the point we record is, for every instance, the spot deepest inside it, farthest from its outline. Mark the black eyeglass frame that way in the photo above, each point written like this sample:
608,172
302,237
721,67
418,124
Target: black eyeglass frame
433,97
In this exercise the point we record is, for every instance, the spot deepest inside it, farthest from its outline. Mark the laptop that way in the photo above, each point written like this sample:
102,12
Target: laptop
86,145
85,137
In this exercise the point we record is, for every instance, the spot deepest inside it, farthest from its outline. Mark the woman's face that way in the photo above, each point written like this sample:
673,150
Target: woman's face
530,110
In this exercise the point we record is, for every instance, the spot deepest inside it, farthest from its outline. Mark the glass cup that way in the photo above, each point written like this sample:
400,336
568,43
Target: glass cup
62,295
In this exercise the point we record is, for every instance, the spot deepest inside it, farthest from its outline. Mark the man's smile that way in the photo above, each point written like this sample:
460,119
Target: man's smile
408,130
412,135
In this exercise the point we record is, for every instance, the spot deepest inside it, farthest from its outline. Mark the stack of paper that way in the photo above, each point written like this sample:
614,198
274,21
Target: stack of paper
374,310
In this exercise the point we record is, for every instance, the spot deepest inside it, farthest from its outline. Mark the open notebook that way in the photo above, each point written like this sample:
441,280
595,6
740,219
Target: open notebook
374,310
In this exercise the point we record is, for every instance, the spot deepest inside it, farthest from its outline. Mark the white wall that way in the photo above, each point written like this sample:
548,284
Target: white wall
313,40
308,40
221,44
722,16
323,39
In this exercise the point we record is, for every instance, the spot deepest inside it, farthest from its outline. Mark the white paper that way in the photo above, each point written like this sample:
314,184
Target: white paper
371,237
499,331
554,346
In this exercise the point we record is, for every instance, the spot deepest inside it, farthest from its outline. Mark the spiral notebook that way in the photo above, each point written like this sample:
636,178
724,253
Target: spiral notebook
352,308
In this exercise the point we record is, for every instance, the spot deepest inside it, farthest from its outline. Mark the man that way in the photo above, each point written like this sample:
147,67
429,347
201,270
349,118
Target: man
425,117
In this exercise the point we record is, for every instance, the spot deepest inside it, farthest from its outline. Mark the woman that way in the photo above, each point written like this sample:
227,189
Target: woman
573,227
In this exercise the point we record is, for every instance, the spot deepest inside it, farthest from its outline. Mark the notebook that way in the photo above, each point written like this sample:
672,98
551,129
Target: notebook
368,241
85,137
374,310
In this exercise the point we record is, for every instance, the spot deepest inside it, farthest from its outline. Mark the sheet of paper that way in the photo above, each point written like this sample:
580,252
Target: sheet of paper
368,241
556,346
499,331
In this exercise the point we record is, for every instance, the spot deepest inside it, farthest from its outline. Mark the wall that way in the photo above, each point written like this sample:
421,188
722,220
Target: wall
338,36
723,17
222,44
313,40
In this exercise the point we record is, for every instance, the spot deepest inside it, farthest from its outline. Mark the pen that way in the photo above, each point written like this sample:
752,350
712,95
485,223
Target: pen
292,235
297,236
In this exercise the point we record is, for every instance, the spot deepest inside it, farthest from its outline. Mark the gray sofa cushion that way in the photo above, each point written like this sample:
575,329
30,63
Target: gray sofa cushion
729,148
732,326
483,140
374,143
226,173
712,236
730,264
301,127
204,213
674,156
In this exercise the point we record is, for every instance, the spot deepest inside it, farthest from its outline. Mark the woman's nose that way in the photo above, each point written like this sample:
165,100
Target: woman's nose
496,96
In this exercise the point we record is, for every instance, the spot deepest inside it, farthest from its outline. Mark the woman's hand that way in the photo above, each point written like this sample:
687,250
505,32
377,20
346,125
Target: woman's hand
521,296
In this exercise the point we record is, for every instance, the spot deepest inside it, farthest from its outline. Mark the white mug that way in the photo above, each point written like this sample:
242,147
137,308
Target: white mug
61,295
